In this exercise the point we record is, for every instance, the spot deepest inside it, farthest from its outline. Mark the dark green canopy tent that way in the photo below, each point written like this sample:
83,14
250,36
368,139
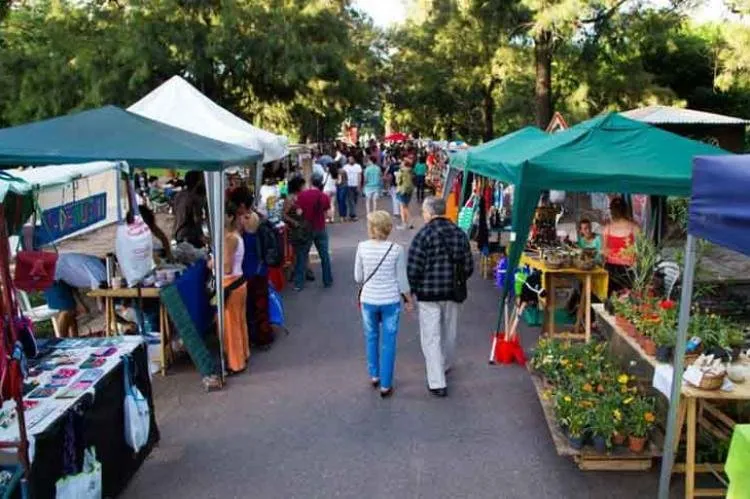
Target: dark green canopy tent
111,133
486,159
609,153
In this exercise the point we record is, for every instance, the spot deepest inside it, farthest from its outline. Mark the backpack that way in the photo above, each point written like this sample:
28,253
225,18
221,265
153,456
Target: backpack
271,247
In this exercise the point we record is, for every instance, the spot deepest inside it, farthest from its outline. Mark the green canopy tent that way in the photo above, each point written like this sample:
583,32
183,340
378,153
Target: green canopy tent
16,201
609,153
485,159
113,134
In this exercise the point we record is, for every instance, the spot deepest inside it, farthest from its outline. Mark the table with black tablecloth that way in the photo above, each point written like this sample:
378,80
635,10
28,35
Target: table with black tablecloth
94,420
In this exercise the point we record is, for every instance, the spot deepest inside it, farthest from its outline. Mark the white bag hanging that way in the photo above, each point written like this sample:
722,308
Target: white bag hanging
137,411
85,485
135,250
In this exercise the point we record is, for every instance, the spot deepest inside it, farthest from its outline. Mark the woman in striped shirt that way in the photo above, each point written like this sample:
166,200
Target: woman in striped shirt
380,266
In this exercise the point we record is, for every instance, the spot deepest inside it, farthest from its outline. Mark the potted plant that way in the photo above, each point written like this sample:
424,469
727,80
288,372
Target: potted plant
618,436
576,425
665,341
640,421
602,427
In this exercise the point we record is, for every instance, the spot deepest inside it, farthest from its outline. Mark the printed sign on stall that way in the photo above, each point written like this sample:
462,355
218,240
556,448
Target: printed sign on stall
64,220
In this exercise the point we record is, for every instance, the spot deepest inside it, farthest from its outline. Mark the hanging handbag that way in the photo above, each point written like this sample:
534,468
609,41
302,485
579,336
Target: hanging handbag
466,215
35,270
137,411
372,274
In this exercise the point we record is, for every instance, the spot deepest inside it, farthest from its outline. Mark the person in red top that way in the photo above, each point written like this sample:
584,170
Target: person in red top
314,205
618,238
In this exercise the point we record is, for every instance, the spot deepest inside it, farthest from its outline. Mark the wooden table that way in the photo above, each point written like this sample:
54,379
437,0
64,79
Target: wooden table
165,333
595,281
696,408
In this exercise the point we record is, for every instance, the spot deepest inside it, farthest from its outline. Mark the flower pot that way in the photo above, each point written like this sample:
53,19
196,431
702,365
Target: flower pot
636,444
649,347
600,444
664,353
630,329
618,438
576,442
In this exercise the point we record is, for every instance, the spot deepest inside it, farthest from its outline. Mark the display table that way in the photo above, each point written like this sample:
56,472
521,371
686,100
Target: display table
738,464
696,408
64,423
165,333
595,281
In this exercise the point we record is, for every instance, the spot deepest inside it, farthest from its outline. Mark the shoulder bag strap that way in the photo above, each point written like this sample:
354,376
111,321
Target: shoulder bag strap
372,274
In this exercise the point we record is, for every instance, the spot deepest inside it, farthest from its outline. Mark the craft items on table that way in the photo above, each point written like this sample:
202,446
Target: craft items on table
59,379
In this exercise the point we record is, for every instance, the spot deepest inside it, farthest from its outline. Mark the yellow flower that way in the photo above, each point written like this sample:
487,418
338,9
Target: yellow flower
623,379
546,394
564,362
627,400
567,398
617,414
587,387
649,417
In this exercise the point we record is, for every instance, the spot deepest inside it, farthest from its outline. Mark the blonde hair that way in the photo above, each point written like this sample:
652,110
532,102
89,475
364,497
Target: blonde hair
379,225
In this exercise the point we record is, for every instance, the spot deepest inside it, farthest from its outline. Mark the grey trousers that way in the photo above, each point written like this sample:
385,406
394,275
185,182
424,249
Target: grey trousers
438,327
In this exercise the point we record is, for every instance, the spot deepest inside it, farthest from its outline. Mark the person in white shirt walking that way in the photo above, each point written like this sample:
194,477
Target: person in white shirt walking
354,178
380,266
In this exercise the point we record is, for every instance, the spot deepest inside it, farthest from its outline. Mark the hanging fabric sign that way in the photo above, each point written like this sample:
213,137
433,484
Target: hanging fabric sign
61,221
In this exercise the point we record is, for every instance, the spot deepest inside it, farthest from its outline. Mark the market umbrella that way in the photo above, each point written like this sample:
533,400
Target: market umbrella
397,137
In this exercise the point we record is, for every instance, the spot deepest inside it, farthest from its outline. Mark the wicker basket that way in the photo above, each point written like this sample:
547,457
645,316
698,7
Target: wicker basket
711,382
584,265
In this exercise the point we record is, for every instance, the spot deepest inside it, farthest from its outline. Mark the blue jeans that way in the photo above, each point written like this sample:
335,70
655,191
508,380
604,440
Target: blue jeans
320,240
341,193
352,197
381,328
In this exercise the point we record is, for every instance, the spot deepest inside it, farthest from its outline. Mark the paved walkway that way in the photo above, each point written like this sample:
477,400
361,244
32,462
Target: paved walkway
305,423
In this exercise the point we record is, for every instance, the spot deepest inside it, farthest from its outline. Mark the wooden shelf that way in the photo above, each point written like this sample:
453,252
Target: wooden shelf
619,459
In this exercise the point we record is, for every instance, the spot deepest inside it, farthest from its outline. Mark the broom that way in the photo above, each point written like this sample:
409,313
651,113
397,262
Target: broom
498,339
515,350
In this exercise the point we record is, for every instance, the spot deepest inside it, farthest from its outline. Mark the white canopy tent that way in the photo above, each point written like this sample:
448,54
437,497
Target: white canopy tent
179,104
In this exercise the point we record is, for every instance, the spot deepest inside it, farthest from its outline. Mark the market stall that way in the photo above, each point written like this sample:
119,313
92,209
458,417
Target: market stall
608,153
115,135
719,212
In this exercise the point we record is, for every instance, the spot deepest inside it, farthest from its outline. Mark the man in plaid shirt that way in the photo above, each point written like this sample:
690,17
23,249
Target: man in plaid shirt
439,262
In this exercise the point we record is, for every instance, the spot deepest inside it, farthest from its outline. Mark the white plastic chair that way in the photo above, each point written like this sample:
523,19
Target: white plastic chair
39,313
671,272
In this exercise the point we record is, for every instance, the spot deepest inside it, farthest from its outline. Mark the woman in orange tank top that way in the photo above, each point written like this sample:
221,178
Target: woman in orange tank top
618,238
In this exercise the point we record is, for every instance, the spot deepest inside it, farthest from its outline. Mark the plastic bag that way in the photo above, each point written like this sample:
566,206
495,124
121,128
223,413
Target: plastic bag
85,485
275,307
135,250
137,411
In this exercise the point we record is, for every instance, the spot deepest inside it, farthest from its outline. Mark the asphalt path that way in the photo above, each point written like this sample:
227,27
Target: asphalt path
304,422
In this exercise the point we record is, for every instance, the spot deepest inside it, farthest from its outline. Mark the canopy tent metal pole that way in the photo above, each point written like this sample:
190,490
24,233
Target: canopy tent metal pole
118,190
258,179
679,364
217,237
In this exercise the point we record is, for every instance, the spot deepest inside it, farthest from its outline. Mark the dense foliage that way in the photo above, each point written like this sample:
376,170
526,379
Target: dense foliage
470,69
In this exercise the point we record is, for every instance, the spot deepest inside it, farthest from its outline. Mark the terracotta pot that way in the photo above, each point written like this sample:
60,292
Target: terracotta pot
649,346
629,329
618,438
636,444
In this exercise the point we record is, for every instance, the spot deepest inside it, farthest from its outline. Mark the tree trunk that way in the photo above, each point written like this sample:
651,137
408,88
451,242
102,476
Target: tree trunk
489,113
543,60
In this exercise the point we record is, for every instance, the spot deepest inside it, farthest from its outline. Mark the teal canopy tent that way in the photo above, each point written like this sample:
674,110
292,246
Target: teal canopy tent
16,200
111,133
609,153
490,158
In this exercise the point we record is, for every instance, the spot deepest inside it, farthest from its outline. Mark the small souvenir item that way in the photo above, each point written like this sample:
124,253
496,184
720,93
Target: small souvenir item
75,390
42,393
105,352
93,362
90,375
64,373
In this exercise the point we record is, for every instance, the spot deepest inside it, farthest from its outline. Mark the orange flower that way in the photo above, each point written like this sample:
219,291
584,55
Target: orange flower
599,388
649,417
587,387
